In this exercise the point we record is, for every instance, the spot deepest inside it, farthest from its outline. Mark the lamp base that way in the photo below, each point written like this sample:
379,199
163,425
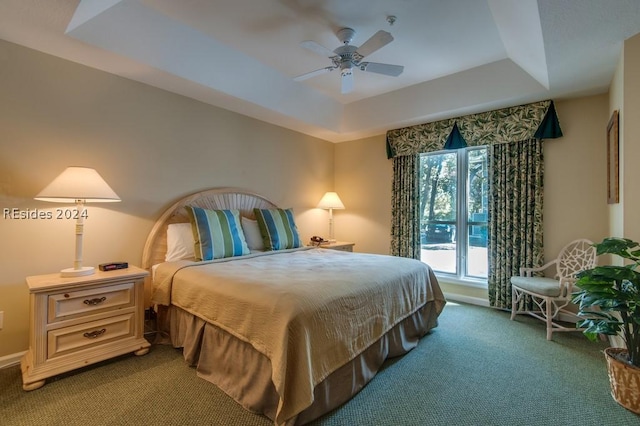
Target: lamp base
72,272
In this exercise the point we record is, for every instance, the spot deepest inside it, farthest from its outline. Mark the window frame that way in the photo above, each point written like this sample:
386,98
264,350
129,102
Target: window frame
462,222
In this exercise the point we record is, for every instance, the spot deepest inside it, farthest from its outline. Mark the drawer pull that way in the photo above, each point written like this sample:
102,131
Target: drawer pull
95,301
95,334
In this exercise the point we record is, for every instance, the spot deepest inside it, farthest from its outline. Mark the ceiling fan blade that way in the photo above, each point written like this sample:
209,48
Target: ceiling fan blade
378,40
318,48
313,73
386,69
347,83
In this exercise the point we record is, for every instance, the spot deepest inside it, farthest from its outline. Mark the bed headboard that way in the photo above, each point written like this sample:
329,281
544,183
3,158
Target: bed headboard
214,199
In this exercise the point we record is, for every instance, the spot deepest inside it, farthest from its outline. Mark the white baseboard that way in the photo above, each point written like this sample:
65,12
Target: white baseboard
466,299
484,302
11,360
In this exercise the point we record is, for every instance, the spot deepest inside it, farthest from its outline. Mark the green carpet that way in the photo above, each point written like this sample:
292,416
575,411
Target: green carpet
476,368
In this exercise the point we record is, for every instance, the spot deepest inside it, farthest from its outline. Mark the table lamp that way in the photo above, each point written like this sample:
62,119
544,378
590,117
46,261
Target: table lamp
331,201
78,185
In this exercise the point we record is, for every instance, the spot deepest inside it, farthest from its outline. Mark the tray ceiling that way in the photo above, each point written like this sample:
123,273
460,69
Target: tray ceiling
459,56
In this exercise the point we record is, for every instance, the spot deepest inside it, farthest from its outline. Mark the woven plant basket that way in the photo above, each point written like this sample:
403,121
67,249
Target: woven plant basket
624,379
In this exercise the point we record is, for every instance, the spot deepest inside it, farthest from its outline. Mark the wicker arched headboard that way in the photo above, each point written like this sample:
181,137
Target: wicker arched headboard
215,199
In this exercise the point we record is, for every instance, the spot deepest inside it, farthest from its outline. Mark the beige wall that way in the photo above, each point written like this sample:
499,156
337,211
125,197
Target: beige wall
363,181
575,204
575,181
630,138
151,146
624,96
616,100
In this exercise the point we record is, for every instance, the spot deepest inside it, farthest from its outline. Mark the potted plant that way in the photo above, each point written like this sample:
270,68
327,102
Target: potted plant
609,300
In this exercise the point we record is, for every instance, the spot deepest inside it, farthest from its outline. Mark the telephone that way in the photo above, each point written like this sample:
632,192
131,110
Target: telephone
318,240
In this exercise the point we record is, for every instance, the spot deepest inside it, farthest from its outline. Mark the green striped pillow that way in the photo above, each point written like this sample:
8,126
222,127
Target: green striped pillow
278,229
217,233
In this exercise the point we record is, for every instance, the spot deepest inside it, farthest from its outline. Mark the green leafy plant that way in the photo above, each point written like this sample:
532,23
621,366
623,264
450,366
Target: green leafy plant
609,296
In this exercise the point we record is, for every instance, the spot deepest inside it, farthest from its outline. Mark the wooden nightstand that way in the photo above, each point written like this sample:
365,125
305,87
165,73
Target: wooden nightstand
82,320
338,245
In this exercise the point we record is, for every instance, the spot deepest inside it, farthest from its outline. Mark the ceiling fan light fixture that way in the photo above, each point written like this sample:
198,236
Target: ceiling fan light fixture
346,57
346,67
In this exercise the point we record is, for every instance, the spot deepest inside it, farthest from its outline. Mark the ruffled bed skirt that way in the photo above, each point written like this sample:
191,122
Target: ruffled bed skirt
245,374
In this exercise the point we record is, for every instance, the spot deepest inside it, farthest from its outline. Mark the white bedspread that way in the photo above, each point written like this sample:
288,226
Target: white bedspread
309,311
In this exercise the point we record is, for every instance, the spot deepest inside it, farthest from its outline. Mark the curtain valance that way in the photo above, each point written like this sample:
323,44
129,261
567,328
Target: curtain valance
537,120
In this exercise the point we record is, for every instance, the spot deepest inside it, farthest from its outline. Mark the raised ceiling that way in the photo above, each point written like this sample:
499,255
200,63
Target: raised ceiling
459,56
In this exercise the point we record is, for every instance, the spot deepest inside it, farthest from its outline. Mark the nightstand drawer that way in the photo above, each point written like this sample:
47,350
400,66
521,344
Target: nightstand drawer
72,304
72,339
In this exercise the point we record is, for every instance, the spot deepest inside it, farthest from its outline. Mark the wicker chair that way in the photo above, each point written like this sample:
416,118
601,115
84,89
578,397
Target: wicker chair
551,295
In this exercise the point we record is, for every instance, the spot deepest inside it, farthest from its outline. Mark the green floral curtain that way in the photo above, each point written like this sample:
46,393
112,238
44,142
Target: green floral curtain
512,124
515,214
514,137
405,214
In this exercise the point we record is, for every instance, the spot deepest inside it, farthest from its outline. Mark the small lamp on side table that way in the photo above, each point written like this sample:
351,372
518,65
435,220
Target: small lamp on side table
331,201
78,185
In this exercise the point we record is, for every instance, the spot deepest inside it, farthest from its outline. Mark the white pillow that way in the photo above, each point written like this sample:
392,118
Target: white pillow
180,242
252,234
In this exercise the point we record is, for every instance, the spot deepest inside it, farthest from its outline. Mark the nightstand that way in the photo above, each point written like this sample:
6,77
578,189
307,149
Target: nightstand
79,321
338,245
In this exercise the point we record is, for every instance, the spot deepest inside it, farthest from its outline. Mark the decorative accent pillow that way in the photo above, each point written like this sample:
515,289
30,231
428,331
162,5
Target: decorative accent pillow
252,234
179,242
278,229
217,233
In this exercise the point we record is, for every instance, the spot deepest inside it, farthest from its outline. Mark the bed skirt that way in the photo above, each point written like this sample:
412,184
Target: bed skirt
245,374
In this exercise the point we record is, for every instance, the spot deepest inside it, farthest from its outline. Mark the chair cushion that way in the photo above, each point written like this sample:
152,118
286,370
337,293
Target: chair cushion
544,286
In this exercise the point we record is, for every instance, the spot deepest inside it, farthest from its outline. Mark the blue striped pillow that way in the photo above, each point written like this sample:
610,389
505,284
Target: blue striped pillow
217,233
278,229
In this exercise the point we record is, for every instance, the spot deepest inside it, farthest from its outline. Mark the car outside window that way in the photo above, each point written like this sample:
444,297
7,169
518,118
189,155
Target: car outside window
453,206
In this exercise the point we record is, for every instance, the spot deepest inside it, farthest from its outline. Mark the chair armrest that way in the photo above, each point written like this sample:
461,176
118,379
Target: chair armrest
571,282
567,284
526,272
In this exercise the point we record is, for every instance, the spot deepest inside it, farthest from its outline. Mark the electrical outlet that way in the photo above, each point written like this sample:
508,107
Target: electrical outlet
1,319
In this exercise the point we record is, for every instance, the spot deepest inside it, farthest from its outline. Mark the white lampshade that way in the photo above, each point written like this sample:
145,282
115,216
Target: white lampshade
330,200
78,183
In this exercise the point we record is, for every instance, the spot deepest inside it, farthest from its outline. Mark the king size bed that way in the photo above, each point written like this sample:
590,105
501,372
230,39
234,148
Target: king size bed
288,331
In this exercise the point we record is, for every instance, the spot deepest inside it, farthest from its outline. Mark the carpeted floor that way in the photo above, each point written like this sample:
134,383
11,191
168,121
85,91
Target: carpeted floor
476,368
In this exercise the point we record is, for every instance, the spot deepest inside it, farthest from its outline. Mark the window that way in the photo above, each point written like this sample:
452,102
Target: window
453,206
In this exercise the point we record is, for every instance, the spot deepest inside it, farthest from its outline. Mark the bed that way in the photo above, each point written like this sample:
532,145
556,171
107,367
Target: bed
288,331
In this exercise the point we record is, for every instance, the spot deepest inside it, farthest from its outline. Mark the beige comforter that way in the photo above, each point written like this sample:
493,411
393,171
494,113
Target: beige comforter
309,311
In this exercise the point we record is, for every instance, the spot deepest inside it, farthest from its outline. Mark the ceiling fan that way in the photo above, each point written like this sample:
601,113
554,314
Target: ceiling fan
347,57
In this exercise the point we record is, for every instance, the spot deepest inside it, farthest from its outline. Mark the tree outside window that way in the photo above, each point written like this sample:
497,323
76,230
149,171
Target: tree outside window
453,205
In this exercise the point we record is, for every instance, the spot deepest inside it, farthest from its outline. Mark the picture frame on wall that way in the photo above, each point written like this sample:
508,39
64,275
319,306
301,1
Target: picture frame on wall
613,174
